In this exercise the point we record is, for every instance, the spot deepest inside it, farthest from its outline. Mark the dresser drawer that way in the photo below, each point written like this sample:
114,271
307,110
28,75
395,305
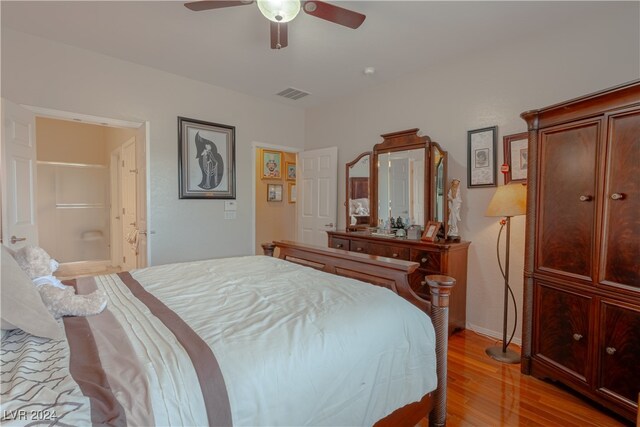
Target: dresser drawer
430,261
389,251
338,243
360,246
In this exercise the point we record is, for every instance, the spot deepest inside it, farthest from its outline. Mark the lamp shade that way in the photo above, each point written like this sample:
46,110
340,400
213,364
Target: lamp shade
508,200
279,10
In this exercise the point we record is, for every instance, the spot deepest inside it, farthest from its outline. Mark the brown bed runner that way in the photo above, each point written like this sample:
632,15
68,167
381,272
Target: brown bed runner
210,377
87,371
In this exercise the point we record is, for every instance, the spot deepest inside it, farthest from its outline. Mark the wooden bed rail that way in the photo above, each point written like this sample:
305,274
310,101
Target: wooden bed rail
393,274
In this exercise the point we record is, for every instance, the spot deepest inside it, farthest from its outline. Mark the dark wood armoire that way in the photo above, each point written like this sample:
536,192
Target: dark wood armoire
582,258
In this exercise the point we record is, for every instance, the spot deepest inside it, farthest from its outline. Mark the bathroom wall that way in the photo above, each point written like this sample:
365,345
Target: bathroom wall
73,190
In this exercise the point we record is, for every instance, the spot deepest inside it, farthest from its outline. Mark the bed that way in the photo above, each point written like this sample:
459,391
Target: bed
280,344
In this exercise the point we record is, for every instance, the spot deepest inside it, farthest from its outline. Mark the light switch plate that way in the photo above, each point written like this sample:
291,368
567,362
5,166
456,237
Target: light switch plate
230,215
230,205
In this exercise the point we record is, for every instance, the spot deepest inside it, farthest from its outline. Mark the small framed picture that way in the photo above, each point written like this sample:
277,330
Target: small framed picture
271,164
274,193
481,157
293,194
516,157
431,231
291,171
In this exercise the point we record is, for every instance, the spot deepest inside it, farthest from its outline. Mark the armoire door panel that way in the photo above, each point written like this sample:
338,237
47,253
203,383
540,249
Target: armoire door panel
620,243
563,333
619,352
567,205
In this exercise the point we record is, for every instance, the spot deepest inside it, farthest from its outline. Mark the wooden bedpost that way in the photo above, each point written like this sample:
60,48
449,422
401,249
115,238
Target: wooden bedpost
268,248
440,287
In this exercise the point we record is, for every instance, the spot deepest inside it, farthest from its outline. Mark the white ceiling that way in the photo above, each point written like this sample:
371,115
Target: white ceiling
230,47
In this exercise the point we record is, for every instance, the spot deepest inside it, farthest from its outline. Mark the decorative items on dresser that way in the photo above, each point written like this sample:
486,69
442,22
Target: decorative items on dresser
449,259
582,257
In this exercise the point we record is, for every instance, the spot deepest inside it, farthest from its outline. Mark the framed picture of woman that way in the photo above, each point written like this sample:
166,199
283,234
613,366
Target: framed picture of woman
206,160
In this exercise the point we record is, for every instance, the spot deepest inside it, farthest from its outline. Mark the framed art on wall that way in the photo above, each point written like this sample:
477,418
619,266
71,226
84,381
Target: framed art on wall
206,160
516,157
274,193
291,171
271,164
481,157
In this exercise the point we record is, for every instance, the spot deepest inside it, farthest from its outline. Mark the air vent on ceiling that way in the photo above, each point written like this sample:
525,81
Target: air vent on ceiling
292,93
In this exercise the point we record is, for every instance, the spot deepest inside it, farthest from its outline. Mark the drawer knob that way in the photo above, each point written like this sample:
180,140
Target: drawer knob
585,198
423,260
577,337
339,245
610,351
395,255
617,196
359,249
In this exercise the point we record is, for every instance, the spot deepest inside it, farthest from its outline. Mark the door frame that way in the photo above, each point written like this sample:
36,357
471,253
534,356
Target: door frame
255,146
114,178
108,121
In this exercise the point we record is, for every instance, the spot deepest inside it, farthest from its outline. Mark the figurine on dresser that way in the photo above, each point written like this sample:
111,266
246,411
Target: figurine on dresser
455,203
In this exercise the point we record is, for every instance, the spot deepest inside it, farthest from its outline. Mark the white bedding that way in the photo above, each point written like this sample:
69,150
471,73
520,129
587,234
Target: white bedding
295,347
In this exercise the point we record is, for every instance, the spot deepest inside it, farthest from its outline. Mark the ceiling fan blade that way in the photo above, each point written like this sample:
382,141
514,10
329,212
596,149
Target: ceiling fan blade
283,40
197,6
333,13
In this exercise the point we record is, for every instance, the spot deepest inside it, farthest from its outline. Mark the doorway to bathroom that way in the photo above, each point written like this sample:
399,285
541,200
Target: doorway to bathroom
87,195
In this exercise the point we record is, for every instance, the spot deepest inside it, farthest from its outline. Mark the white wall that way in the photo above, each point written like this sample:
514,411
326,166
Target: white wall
47,74
488,88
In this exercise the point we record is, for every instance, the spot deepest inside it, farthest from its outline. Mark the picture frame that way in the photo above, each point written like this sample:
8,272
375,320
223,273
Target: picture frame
293,193
516,157
430,233
274,193
481,157
291,171
206,160
271,164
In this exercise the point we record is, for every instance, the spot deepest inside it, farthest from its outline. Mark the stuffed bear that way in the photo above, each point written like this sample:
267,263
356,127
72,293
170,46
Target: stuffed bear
61,300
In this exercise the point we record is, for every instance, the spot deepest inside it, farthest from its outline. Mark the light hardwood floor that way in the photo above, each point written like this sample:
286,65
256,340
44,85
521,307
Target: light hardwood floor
484,392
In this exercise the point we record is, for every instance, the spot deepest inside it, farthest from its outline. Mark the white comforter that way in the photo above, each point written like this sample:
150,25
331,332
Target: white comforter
300,347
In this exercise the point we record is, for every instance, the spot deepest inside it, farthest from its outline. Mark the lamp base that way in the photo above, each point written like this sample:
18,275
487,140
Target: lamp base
508,356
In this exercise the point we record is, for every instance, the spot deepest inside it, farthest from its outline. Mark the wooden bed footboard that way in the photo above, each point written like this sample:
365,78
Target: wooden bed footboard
392,274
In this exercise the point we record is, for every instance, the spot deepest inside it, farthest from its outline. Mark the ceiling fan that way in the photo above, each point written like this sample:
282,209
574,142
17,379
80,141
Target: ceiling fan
279,12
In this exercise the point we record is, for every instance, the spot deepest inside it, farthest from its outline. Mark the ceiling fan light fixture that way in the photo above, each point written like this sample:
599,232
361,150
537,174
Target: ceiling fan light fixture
279,10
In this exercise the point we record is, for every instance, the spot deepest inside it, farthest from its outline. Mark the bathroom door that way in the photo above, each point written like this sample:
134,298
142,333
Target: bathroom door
19,226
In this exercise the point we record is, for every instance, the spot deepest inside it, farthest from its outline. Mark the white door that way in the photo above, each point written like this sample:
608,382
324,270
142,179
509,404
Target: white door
141,208
115,210
19,226
317,186
129,191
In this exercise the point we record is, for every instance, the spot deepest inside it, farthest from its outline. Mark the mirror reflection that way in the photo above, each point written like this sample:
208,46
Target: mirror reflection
401,180
438,184
358,194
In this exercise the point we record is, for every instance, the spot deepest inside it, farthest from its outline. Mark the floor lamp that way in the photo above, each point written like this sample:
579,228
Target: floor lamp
508,200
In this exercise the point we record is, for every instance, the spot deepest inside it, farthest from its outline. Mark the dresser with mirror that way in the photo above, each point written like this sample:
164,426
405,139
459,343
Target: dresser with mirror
404,177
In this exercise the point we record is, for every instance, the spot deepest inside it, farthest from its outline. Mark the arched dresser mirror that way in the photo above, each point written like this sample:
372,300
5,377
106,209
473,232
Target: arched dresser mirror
409,180
404,176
